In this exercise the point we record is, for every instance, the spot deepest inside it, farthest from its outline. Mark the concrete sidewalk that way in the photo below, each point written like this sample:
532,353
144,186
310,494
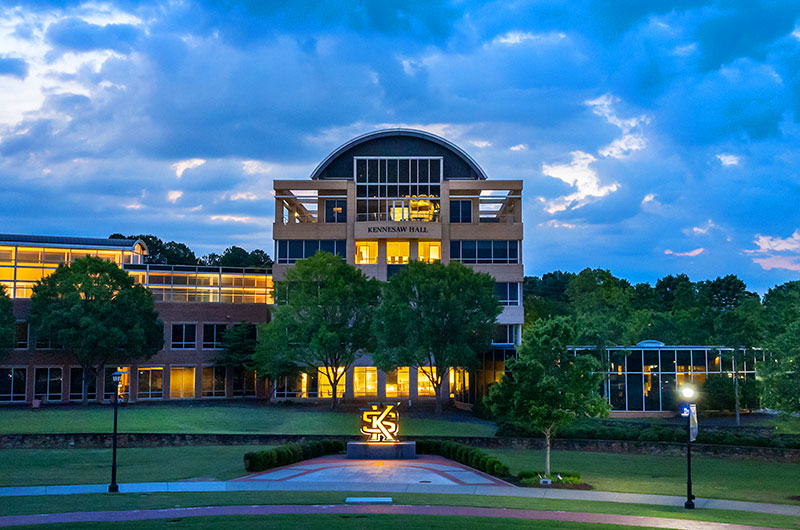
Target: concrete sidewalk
531,493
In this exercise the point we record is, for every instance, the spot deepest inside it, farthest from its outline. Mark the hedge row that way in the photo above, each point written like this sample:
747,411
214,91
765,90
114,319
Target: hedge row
290,453
661,433
463,454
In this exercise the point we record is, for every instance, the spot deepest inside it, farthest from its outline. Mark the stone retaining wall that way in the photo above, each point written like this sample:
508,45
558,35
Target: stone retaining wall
100,440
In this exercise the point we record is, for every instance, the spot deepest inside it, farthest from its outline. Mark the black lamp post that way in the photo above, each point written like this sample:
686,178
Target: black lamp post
688,394
114,487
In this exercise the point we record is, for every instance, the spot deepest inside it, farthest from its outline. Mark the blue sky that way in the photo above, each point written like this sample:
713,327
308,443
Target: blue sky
653,137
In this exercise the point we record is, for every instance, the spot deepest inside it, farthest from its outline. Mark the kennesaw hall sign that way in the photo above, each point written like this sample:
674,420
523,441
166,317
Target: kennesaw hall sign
398,229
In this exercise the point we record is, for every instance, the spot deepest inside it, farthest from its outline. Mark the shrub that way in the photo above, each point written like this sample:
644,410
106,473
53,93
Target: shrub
289,454
463,454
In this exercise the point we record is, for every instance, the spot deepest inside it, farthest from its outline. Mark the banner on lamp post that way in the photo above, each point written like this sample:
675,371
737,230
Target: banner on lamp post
693,425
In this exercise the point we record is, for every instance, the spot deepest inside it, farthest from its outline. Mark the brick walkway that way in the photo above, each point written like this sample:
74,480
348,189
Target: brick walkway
451,511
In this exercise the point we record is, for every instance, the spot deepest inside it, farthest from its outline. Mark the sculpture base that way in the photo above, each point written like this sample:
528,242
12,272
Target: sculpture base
382,451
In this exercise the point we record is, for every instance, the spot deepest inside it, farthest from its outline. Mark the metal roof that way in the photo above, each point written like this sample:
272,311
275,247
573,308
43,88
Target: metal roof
20,239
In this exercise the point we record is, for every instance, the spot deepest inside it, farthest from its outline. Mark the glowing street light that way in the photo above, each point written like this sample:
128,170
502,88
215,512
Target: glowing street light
689,410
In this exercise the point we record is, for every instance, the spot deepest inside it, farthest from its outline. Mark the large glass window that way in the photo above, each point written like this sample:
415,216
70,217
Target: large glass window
397,382
184,336
212,336
76,385
244,383
461,211
366,252
13,384
47,384
507,293
289,251
505,334
484,251
430,251
336,211
424,385
398,188
398,252
325,389
213,381
181,382
22,336
365,381
150,381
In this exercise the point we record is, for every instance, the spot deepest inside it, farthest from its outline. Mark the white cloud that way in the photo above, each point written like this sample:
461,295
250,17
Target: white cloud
603,106
254,167
174,195
778,262
579,175
552,223
769,245
512,38
684,50
796,33
243,196
622,147
518,147
480,144
728,160
231,218
650,197
691,253
133,206
777,244
701,230
184,165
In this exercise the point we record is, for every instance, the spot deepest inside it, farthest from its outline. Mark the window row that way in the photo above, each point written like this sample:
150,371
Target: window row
365,383
398,170
184,336
507,293
289,251
398,252
681,361
484,251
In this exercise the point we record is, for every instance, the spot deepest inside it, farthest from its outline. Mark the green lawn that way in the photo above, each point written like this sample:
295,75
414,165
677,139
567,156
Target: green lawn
224,418
33,467
135,501
341,522
665,475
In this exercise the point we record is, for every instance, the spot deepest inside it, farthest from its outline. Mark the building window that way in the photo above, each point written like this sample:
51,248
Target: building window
507,293
397,382
365,381
150,383
485,251
123,389
335,211
289,251
325,389
398,188
430,251
76,385
424,385
212,336
47,384
184,336
505,334
213,381
366,252
22,336
13,384
398,252
181,382
461,211
244,383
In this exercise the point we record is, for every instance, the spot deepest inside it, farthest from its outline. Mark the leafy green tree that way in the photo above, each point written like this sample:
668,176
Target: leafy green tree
597,291
546,296
93,310
549,386
435,317
323,319
8,324
260,259
178,254
676,293
159,252
239,347
238,257
781,373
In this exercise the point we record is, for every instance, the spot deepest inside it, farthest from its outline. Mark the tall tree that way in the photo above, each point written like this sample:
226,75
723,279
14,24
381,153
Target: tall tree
322,319
781,375
435,317
8,326
160,252
93,310
548,386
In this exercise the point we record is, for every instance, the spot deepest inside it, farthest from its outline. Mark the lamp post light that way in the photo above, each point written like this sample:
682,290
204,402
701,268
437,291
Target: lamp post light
114,487
690,411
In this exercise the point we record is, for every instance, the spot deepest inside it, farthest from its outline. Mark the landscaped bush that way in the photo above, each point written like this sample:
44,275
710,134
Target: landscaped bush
290,453
463,454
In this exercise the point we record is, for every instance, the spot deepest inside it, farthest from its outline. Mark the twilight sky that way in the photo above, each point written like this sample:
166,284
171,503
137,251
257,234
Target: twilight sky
652,140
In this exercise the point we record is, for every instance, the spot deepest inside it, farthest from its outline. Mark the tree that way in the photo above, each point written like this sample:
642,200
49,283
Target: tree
238,257
780,374
435,317
159,252
8,326
93,310
549,386
322,319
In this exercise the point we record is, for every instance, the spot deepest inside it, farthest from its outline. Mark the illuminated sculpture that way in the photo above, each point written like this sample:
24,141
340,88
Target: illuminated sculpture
379,422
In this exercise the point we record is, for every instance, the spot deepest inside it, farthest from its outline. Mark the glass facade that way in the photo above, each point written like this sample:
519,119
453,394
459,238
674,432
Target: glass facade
178,283
181,382
398,188
289,251
484,251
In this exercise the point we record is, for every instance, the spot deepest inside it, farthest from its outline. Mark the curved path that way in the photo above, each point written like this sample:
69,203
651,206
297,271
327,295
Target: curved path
452,511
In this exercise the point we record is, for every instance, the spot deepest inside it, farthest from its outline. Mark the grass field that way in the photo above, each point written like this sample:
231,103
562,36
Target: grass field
341,522
56,504
665,475
225,418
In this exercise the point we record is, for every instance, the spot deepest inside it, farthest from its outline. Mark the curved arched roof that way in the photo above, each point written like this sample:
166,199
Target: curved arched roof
351,145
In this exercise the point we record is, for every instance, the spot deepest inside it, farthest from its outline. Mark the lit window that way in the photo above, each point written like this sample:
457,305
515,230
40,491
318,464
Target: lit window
424,385
110,388
397,252
365,382
150,381
397,382
181,382
325,389
430,251
366,252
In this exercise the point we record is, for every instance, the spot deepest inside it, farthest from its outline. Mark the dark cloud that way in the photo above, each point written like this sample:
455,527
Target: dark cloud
13,66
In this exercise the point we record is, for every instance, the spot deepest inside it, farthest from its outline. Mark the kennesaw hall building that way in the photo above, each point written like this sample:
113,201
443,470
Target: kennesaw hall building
378,201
